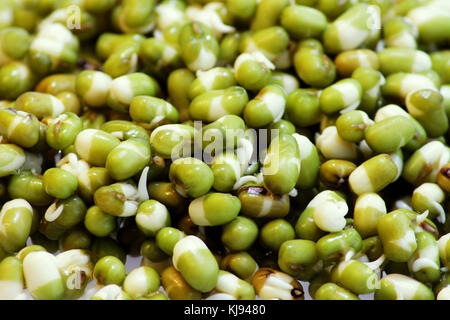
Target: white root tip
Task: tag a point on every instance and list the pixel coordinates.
(402, 204)
(181, 191)
(349, 255)
(260, 57)
(293, 193)
(157, 119)
(142, 185)
(441, 218)
(243, 180)
(421, 217)
(53, 213)
(374, 265)
(350, 107)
